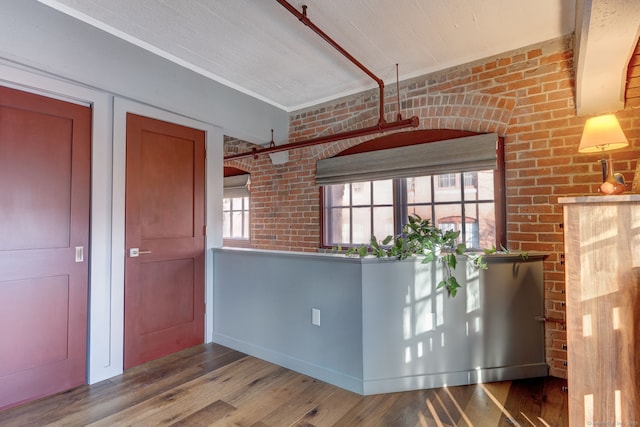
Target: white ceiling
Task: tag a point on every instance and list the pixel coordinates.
(261, 49)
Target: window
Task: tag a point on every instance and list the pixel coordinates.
(354, 212)
(450, 181)
(447, 180)
(359, 210)
(235, 214)
(235, 210)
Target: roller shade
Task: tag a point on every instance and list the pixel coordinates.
(237, 186)
(472, 153)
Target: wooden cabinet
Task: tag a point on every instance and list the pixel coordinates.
(602, 251)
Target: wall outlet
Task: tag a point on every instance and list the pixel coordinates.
(315, 316)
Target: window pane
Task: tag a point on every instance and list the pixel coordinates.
(337, 195)
(471, 233)
(419, 190)
(236, 204)
(447, 180)
(226, 204)
(383, 192)
(236, 224)
(470, 179)
(422, 211)
(245, 220)
(361, 193)
(383, 222)
(449, 217)
(361, 225)
(487, 225)
(445, 188)
(226, 224)
(339, 229)
(485, 185)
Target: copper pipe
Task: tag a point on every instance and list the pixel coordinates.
(306, 21)
(380, 127)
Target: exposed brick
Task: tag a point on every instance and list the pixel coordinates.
(526, 95)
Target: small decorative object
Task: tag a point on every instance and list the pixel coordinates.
(612, 184)
(603, 133)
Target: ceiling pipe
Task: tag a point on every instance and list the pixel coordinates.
(382, 125)
(306, 21)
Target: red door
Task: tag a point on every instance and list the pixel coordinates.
(164, 268)
(45, 166)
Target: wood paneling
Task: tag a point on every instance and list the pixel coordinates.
(214, 385)
(602, 241)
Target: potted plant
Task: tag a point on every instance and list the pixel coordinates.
(420, 237)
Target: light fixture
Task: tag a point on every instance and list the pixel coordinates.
(600, 134)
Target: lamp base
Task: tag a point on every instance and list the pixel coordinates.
(611, 185)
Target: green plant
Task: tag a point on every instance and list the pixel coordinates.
(420, 237)
(479, 260)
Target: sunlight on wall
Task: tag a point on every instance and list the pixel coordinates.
(440, 309)
(602, 240)
(406, 323)
(586, 326)
(588, 409)
(479, 375)
(473, 289)
(616, 318)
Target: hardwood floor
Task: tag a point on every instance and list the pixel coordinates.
(214, 385)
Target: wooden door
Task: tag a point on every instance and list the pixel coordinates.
(45, 166)
(164, 268)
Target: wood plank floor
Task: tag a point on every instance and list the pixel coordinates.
(214, 385)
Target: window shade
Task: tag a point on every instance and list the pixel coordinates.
(472, 153)
(236, 186)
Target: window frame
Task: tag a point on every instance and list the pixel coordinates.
(245, 211)
(499, 201)
(237, 185)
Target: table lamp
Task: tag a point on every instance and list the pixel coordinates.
(600, 134)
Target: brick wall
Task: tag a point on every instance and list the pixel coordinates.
(526, 95)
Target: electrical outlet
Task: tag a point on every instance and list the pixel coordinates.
(315, 316)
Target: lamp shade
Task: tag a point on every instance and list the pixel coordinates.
(602, 133)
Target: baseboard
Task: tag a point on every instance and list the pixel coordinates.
(443, 379)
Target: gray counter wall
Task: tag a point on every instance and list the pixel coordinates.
(263, 302)
(384, 326)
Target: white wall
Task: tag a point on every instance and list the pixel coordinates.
(47, 52)
(41, 37)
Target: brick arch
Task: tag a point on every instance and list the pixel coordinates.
(480, 113)
(235, 146)
(476, 112)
